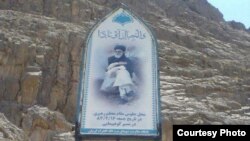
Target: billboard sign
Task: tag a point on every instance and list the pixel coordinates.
(119, 89)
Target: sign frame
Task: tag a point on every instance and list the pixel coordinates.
(83, 66)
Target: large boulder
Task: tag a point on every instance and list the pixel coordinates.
(42, 124)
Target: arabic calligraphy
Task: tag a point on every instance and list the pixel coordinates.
(122, 34)
(119, 119)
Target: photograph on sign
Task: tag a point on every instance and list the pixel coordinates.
(119, 90)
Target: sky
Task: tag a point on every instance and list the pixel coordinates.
(237, 10)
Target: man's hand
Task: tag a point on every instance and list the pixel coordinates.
(116, 64)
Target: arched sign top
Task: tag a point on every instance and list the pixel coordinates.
(122, 18)
(121, 75)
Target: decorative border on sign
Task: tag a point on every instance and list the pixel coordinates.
(93, 131)
(87, 77)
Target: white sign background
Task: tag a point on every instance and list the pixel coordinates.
(101, 116)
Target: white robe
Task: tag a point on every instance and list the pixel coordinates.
(117, 76)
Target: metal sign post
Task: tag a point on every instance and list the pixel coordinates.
(118, 93)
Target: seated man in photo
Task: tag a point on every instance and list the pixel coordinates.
(119, 74)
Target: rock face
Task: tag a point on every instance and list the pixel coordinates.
(237, 25)
(37, 124)
(9, 131)
(42, 124)
(204, 63)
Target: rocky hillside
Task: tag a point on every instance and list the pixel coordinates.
(204, 64)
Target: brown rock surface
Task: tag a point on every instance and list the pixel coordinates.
(42, 124)
(204, 62)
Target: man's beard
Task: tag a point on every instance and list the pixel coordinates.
(118, 56)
